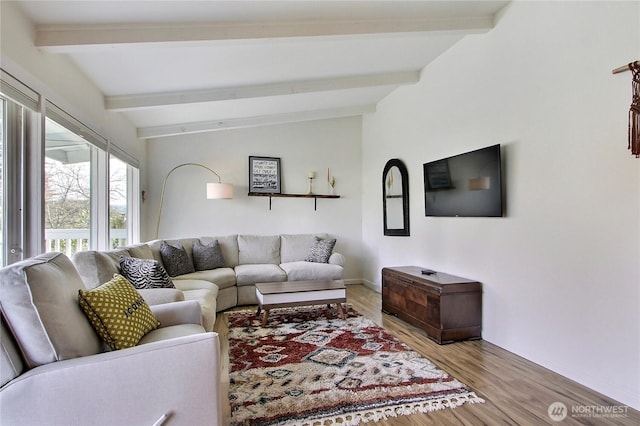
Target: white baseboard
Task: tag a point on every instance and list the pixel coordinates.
(366, 283)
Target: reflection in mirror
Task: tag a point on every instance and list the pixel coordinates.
(395, 198)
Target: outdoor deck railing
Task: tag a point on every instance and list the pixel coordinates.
(69, 241)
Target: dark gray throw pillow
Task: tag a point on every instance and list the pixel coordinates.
(320, 250)
(207, 257)
(176, 260)
(145, 273)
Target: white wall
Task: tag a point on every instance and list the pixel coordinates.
(561, 271)
(312, 146)
(60, 81)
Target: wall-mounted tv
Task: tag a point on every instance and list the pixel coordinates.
(468, 184)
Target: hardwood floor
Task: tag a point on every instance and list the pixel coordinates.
(516, 391)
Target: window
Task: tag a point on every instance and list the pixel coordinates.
(118, 211)
(67, 190)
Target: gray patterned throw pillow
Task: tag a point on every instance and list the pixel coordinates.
(145, 273)
(207, 257)
(176, 260)
(320, 250)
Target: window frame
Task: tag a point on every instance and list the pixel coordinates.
(24, 225)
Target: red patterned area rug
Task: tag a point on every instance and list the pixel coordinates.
(309, 367)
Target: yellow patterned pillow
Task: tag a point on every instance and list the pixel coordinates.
(117, 312)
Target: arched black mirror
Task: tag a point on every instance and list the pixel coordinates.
(395, 198)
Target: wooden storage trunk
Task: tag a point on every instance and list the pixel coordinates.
(447, 307)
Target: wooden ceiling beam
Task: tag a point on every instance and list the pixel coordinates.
(72, 38)
(263, 120)
(153, 100)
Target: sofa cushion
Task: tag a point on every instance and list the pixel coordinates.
(185, 285)
(145, 273)
(208, 256)
(158, 296)
(294, 247)
(258, 249)
(320, 250)
(141, 251)
(38, 299)
(206, 294)
(337, 259)
(175, 259)
(264, 273)
(229, 247)
(117, 312)
(307, 271)
(171, 332)
(98, 267)
(221, 277)
(11, 365)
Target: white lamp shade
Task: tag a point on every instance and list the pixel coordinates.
(219, 190)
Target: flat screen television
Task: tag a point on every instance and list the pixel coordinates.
(468, 184)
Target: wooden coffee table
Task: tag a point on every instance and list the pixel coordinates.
(299, 293)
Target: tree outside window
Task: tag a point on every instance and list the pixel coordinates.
(117, 202)
(67, 190)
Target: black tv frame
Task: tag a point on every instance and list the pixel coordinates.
(444, 175)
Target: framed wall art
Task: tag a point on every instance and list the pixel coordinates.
(264, 175)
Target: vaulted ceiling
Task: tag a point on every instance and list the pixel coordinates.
(175, 67)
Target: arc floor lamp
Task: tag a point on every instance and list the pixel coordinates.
(215, 190)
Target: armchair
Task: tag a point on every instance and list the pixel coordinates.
(55, 371)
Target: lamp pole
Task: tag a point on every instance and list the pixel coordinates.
(164, 184)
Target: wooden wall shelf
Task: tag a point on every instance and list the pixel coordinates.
(314, 196)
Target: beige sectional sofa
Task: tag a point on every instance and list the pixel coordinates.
(56, 371)
(248, 259)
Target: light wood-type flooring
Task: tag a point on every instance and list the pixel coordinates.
(516, 391)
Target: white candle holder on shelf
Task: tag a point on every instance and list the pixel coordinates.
(311, 176)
